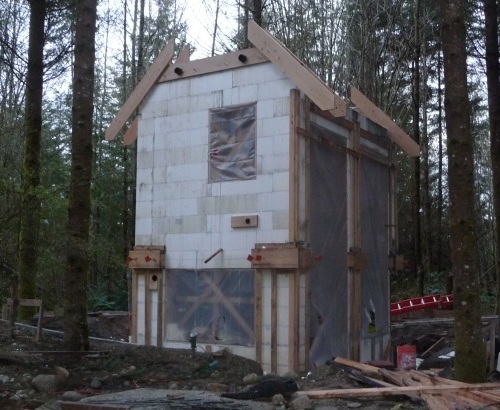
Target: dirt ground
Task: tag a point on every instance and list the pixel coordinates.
(115, 367)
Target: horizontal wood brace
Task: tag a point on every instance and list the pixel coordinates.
(281, 256)
(356, 259)
(151, 257)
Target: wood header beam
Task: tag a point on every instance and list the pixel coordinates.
(150, 78)
(301, 75)
(396, 134)
(214, 64)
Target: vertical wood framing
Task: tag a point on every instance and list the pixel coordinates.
(133, 315)
(354, 242)
(147, 312)
(159, 324)
(258, 315)
(307, 320)
(274, 321)
(293, 321)
(293, 224)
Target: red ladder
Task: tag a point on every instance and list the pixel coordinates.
(420, 303)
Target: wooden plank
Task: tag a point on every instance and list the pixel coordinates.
(303, 77)
(282, 256)
(366, 369)
(159, 323)
(130, 135)
(396, 390)
(26, 302)
(293, 214)
(397, 135)
(293, 319)
(184, 56)
(354, 243)
(146, 259)
(65, 405)
(148, 81)
(214, 64)
(245, 221)
(147, 312)
(274, 322)
(258, 315)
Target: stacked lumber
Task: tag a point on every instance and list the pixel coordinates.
(437, 392)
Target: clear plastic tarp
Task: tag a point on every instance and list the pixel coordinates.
(216, 304)
(232, 143)
(329, 279)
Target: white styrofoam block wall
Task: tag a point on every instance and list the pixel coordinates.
(173, 168)
(141, 309)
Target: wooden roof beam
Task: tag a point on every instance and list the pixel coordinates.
(396, 134)
(148, 81)
(301, 75)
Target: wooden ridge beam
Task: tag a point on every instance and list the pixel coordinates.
(396, 134)
(148, 81)
(301, 75)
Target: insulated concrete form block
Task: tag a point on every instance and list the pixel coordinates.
(174, 89)
(282, 143)
(274, 163)
(182, 207)
(281, 106)
(143, 226)
(146, 144)
(146, 127)
(145, 176)
(263, 183)
(144, 240)
(145, 159)
(211, 82)
(160, 174)
(256, 74)
(265, 145)
(187, 172)
(159, 159)
(272, 201)
(275, 126)
(228, 204)
(280, 220)
(281, 181)
(265, 109)
(185, 224)
(159, 226)
(239, 240)
(242, 95)
(274, 236)
(143, 210)
(274, 89)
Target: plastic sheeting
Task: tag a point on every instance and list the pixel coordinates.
(232, 143)
(217, 304)
(329, 279)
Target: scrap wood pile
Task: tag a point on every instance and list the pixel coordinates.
(437, 392)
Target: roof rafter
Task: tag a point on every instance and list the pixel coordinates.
(301, 75)
(149, 80)
(396, 134)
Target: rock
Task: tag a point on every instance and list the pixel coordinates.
(72, 396)
(278, 400)
(353, 405)
(126, 383)
(290, 375)
(51, 405)
(173, 385)
(301, 403)
(217, 387)
(95, 383)
(4, 379)
(251, 378)
(22, 394)
(46, 383)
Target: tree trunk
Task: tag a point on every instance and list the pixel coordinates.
(469, 348)
(78, 252)
(417, 247)
(30, 207)
(493, 80)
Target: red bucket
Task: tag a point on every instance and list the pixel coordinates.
(407, 357)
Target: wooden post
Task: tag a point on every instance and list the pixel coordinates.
(354, 244)
(13, 309)
(274, 321)
(293, 224)
(258, 315)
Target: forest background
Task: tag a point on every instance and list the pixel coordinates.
(390, 49)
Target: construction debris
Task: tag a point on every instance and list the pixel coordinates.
(438, 393)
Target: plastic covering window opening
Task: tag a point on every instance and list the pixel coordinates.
(232, 142)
